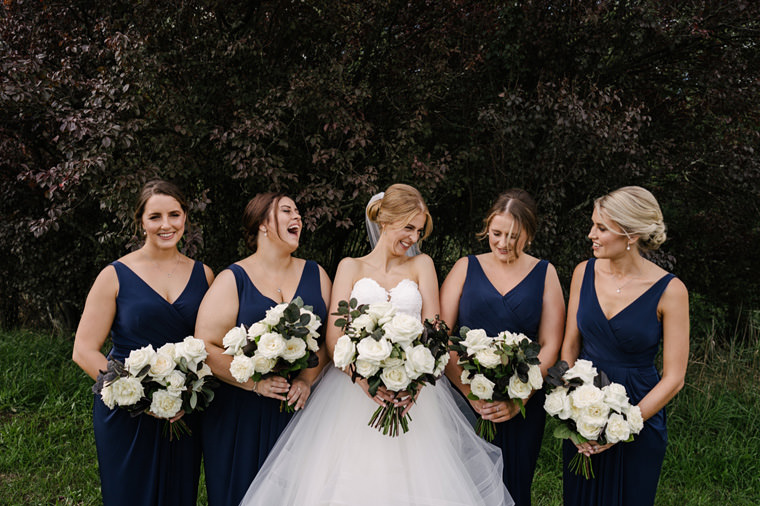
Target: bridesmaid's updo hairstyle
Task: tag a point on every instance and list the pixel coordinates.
(521, 207)
(400, 202)
(636, 211)
(157, 187)
(256, 212)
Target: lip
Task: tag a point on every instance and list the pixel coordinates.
(166, 236)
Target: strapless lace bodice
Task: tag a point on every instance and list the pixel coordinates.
(405, 296)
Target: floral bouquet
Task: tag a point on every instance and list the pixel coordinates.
(497, 369)
(591, 408)
(162, 382)
(283, 343)
(392, 349)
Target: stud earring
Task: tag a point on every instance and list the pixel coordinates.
(145, 232)
(628, 247)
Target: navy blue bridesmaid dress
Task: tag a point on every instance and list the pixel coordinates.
(239, 427)
(624, 347)
(138, 463)
(519, 310)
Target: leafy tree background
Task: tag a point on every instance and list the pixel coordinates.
(331, 101)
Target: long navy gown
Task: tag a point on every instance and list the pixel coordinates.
(519, 310)
(239, 427)
(138, 463)
(624, 347)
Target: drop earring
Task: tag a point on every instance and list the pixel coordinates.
(628, 247)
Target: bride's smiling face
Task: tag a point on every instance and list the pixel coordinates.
(401, 236)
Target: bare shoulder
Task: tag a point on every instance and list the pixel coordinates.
(422, 261)
(209, 274)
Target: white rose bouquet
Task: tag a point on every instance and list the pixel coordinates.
(162, 382)
(391, 349)
(497, 369)
(590, 408)
(283, 343)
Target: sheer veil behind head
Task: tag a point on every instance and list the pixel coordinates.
(373, 229)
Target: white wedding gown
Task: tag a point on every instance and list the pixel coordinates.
(328, 455)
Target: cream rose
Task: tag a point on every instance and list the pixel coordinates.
(366, 368)
(138, 359)
(596, 414)
(311, 343)
(256, 330)
(403, 329)
(106, 395)
(557, 403)
(204, 371)
(167, 349)
(262, 364)
(583, 369)
(588, 430)
(635, 420)
(488, 358)
(314, 322)
(127, 391)
(586, 395)
(535, 378)
(381, 312)
(295, 348)
(615, 396)
(440, 366)
(420, 360)
(161, 365)
(617, 429)
(273, 315)
(369, 349)
(271, 345)
(363, 322)
(192, 350)
(482, 387)
(234, 340)
(476, 340)
(510, 338)
(465, 377)
(518, 389)
(392, 362)
(165, 405)
(395, 378)
(344, 352)
(241, 368)
(175, 382)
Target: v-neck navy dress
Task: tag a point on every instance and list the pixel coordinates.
(138, 464)
(624, 347)
(519, 310)
(239, 427)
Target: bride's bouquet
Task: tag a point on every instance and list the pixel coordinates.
(590, 408)
(283, 343)
(391, 349)
(497, 369)
(162, 382)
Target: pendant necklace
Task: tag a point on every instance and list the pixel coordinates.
(168, 274)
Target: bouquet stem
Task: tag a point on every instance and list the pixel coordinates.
(388, 418)
(581, 464)
(176, 429)
(485, 429)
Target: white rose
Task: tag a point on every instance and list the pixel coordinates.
(617, 429)
(510, 338)
(586, 395)
(311, 343)
(192, 350)
(482, 387)
(395, 378)
(366, 368)
(518, 389)
(363, 322)
(138, 359)
(204, 371)
(127, 391)
(271, 345)
(488, 358)
(369, 349)
(262, 364)
(391, 362)
(295, 348)
(557, 403)
(241, 368)
(167, 349)
(588, 430)
(583, 369)
(443, 360)
(106, 395)
(175, 382)
(381, 312)
(635, 420)
(165, 405)
(615, 396)
(465, 377)
(314, 321)
(535, 378)
(595, 414)
(274, 314)
(256, 330)
(161, 365)
(403, 329)
(344, 352)
(420, 360)
(476, 340)
(234, 340)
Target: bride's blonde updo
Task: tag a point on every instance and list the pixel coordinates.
(400, 202)
(636, 211)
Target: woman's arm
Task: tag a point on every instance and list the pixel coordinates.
(451, 293)
(428, 285)
(341, 290)
(571, 344)
(552, 325)
(95, 324)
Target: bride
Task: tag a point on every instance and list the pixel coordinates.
(328, 455)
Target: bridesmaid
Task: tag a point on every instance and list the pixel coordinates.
(150, 296)
(243, 423)
(507, 289)
(621, 307)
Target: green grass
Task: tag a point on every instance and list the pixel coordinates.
(47, 452)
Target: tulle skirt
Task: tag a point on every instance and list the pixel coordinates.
(328, 455)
